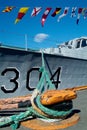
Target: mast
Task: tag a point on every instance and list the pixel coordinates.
(26, 42)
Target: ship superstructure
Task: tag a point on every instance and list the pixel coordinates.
(76, 48)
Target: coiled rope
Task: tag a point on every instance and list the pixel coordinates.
(37, 109)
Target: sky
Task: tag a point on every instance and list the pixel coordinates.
(28, 32)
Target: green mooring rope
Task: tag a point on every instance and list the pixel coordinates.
(52, 113)
(14, 120)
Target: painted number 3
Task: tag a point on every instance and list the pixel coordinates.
(13, 80)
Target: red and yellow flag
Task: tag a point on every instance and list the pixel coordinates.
(21, 13)
(8, 9)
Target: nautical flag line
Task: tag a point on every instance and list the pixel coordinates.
(36, 10)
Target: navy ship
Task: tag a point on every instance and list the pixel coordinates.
(19, 69)
(66, 66)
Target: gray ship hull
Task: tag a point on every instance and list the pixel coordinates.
(19, 71)
(19, 75)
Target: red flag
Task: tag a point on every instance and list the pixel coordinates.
(44, 16)
(36, 11)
